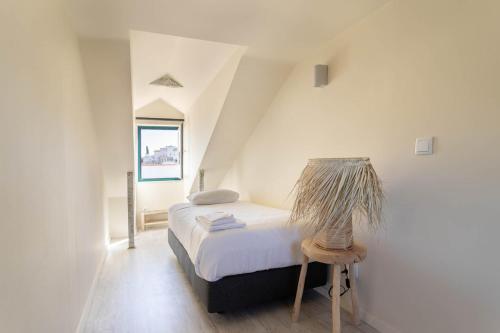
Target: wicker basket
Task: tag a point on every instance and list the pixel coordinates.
(335, 238)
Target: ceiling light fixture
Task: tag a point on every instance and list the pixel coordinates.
(167, 81)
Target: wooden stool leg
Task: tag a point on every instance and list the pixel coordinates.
(336, 299)
(354, 296)
(300, 289)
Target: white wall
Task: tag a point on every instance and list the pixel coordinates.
(52, 229)
(255, 83)
(202, 118)
(159, 195)
(413, 68)
(159, 109)
(107, 70)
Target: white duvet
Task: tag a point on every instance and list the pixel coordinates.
(266, 242)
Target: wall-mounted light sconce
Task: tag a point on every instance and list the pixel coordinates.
(320, 75)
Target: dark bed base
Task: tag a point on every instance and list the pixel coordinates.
(238, 291)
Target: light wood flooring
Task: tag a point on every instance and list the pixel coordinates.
(144, 290)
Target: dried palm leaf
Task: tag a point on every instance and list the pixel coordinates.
(330, 189)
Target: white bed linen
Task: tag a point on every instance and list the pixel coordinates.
(266, 242)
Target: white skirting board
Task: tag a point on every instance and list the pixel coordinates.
(88, 301)
(368, 318)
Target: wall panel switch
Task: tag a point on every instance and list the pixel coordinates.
(423, 146)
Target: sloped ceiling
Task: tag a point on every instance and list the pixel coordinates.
(203, 118)
(276, 33)
(277, 29)
(254, 86)
(194, 63)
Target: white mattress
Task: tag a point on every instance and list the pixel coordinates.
(266, 242)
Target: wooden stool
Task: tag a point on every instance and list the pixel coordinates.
(337, 258)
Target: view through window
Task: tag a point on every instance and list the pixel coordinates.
(160, 153)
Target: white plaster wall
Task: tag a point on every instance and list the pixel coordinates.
(412, 69)
(202, 118)
(52, 230)
(159, 195)
(158, 109)
(255, 83)
(107, 71)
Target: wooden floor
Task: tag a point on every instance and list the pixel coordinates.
(144, 290)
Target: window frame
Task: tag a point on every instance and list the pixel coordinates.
(170, 127)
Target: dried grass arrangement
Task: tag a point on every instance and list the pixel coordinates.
(329, 190)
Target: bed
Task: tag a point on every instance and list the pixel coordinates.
(235, 268)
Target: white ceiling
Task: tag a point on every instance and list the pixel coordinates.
(280, 29)
(194, 63)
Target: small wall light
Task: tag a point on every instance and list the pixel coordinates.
(320, 75)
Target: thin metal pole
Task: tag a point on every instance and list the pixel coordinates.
(202, 180)
(131, 210)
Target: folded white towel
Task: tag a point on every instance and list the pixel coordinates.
(232, 225)
(217, 218)
(226, 220)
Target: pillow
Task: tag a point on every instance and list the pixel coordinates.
(213, 197)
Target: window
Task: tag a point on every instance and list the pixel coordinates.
(160, 152)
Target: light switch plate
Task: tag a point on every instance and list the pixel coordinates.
(423, 146)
